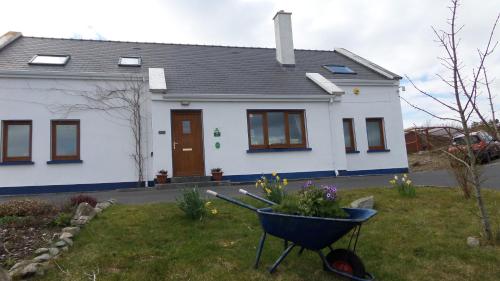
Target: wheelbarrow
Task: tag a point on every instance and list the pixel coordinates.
(312, 233)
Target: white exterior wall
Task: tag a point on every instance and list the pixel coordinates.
(323, 127)
(372, 102)
(105, 141)
(232, 157)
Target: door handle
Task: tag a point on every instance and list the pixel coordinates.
(175, 143)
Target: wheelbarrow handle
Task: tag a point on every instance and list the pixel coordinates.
(231, 200)
(242, 191)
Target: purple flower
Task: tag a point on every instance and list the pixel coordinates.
(330, 192)
(307, 184)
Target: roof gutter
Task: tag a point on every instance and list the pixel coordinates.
(71, 75)
(8, 38)
(377, 68)
(240, 97)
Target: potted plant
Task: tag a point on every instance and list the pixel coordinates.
(162, 176)
(217, 174)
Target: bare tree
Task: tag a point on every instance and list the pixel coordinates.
(125, 101)
(464, 105)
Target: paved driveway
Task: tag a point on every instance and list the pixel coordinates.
(437, 178)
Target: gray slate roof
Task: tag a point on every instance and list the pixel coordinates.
(189, 69)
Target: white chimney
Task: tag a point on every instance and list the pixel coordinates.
(284, 38)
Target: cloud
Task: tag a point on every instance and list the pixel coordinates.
(395, 34)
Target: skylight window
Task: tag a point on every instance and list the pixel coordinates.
(129, 61)
(49, 59)
(339, 69)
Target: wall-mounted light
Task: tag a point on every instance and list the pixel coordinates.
(185, 103)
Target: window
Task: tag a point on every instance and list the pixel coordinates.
(16, 137)
(65, 139)
(339, 69)
(50, 59)
(129, 61)
(349, 140)
(375, 133)
(186, 127)
(276, 129)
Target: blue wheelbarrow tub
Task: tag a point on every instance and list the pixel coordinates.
(313, 233)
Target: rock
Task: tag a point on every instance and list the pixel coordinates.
(71, 229)
(103, 205)
(365, 203)
(472, 241)
(24, 271)
(83, 214)
(4, 275)
(112, 201)
(42, 257)
(20, 264)
(68, 241)
(60, 244)
(54, 251)
(66, 235)
(65, 248)
(98, 210)
(41, 251)
(82, 220)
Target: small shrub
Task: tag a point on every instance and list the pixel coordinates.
(273, 188)
(15, 221)
(404, 186)
(76, 200)
(313, 201)
(9, 220)
(25, 207)
(193, 205)
(62, 220)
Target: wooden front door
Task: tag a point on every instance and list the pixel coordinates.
(187, 144)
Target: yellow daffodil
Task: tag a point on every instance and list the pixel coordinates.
(274, 174)
(405, 176)
(408, 182)
(396, 178)
(277, 178)
(208, 204)
(392, 181)
(214, 211)
(268, 190)
(285, 182)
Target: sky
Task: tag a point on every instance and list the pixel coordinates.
(392, 33)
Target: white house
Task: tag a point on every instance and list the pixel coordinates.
(249, 111)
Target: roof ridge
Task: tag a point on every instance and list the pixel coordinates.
(164, 43)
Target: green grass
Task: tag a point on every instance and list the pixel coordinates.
(421, 238)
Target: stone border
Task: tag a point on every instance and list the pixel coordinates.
(36, 266)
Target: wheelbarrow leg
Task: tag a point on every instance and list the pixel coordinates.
(259, 250)
(301, 250)
(281, 258)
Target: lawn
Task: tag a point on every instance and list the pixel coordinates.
(422, 238)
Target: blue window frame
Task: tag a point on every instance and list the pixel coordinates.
(339, 69)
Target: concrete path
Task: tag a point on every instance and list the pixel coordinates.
(142, 196)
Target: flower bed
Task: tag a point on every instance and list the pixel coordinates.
(32, 232)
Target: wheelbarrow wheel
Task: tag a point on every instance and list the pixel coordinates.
(346, 261)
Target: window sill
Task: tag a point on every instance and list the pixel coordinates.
(377, 150)
(261, 150)
(16, 163)
(52, 162)
(352, 151)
